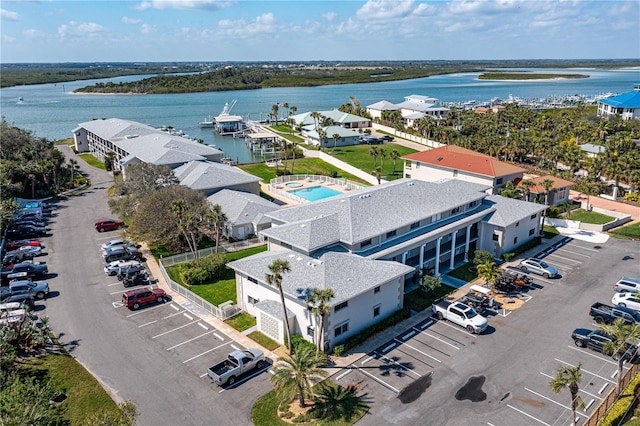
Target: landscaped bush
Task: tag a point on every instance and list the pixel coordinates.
(622, 405)
(193, 275)
(368, 332)
(211, 268)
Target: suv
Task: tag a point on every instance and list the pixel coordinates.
(133, 299)
(626, 284)
(597, 340)
(113, 268)
(122, 253)
(130, 270)
(108, 225)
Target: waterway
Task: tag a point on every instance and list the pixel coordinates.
(53, 111)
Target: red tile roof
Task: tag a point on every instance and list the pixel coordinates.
(459, 158)
(539, 189)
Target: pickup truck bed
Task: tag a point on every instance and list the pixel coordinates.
(603, 313)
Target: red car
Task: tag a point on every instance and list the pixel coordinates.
(14, 245)
(108, 225)
(133, 299)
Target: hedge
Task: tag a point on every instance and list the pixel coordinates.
(622, 404)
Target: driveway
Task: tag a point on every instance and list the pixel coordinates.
(156, 357)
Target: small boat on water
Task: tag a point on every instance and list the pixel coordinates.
(20, 99)
(208, 122)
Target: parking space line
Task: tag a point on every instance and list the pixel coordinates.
(118, 292)
(418, 350)
(203, 326)
(235, 347)
(148, 323)
(581, 390)
(582, 351)
(190, 340)
(441, 340)
(111, 285)
(174, 307)
(574, 252)
(367, 360)
(145, 310)
(382, 382)
(172, 315)
(586, 371)
(204, 353)
(190, 318)
(388, 348)
(400, 365)
(218, 336)
(554, 401)
(577, 262)
(239, 382)
(173, 329)
(527, 414)
(603, 388)
(343, 374)
(455, 327)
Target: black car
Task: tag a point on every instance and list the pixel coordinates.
(129, 271)
(24, 299)
(371, 141)
(139, 278)
(386, 138)
(21, 231)
(122, 253)
(597, 341)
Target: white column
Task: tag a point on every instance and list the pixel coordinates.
(466, 243)
(422, 247)
(453, 249)
(404, 258)
(437, 268)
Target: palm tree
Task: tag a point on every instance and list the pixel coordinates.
(186, 223)
(377, 172)
(568, 377)
(276, 269)
(318, 299)
(373, 152)
(527, 185)
(490, 272)
(297, 374)
(336, 138)
(547, 184)
(72, 166)
(394, 156)
(217, 220)
(382, 154)
(620, 333)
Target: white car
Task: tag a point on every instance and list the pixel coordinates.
(11, 312)
(626, 284)
(112, 268)
(539, 267)
(630, 300)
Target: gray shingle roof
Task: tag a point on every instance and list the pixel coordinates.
(242, 207)
(204, 175)
(347, 274)
(273, 308)
(372, 211)
(510, 210)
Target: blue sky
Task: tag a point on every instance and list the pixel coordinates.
(241, 30)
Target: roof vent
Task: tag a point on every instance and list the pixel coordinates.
(292, 255)
(440, 158)
(302, 225)
(411, 183)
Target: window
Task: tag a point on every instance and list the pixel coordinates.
(456, 210)
(252, 300)
(365, 243)
(455, 173)
(285, 245)
(341, 306)
(515, 240)
(532, 231)
(499, 181)
(391, 234)
(414, 225)
(517, 224)
(533, 216)
(494, 237)
(376, 311)
(341, 329)
(407, 175)
(309, 331)
(376, 290)
(253, 280)
(417, 165)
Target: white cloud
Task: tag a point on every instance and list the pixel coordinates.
(330, 16)
(83, 29)
(8, 39)
(263, 24)
(185, 4)
(132, 21)
(32, 33)
(7, 15)
(147, 29)
(385, 9)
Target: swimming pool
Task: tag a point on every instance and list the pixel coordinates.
(315, 193)
(293, 184)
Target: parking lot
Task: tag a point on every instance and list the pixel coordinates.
(428, 357)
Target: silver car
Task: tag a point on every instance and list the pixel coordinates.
(539, 267)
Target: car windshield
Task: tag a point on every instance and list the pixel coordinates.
(471, 313)
(543, 265)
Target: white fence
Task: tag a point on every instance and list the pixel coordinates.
(188, 257)
(277, 185)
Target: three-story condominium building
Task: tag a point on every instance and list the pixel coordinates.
(400, 227)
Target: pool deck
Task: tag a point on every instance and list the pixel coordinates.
(288, 202)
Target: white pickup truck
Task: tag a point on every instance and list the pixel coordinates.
(461, 314)
(236, 364)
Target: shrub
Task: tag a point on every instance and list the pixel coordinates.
(509, 256)
(338, 350)
(374, 329)
(194, 275)
(632, 197)
(214, 264)
(482, 256)
(334, 174)
(622, 405)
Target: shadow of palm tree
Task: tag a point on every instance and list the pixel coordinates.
(340, 403)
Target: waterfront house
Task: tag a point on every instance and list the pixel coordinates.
(558, 192)
(625, 106)
(414, 107)
(133, 143)
(452, 161)
(245, 213)
(337, 117)
(418, 225)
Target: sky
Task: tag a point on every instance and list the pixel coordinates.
(306, 30)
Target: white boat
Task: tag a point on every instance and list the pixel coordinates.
(208, 122)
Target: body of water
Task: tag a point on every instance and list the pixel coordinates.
(53, 111)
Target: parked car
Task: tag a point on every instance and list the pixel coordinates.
(539, 267)
(32, 222)
(129, 270)
(20, 255)
(23, 299)
(461, 314)
(13, 245)
(627, 299)
(236, 364)
(122, 253)
(602, 313)
(371, 140)
(387, 138)
(34, 250)
(597, 341)
(108, 225)
(626, 284)
(21, 231)
(135, 279)
(114, 243)
(11, 316)
(134, 299)
(36, 289)
(113, 268)
(25, 269)
(117, 248)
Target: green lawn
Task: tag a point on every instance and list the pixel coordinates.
(359, 156)
(302, 166)
(263, 340)
(417, 300)
(463, 273)
(627, 232)
(92, 161)
(590, 217)
(85, 396)
(242, 322)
